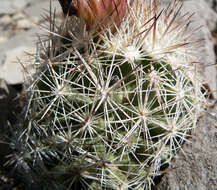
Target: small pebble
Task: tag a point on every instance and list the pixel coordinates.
(18, 16)
(6, 19)
(24, 24)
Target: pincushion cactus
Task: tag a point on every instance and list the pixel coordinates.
(110, 105)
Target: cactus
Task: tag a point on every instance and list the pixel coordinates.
(111, 103)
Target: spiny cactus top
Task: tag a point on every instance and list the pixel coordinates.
(112, 103)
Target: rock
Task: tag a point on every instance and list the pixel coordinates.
(17, 47)
(24, 24)
(212, 4)
(12, 6)
(42, 8)
(3, 39)
(18, 16)
(204, 11)
(205, 52)
(5, 20)
(12, 71)
(12, 48)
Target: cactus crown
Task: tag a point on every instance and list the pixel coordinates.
(109, 108)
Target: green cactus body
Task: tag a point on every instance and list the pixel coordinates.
(112, 114)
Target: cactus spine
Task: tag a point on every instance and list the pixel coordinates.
(111, 105)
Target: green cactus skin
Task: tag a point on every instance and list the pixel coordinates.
(109, 112)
